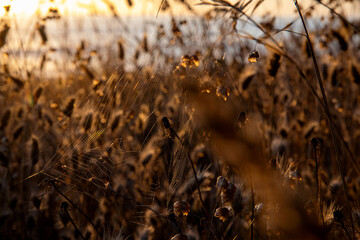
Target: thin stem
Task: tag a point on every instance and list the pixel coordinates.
(75, 206)
(326, 105)
(73, 223)
(195, 175)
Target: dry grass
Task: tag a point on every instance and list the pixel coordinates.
(185, 139)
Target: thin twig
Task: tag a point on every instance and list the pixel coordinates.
(162, 2)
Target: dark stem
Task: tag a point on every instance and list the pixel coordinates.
(75, 206)
(73, 223)
(326, 105)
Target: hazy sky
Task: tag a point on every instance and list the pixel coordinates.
(28, 7)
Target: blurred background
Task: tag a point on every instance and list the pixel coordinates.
(105, 102)
(143, 7)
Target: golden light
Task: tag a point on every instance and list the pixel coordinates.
(30, 7)
(18, 6)
(141, 7)
(77, 7)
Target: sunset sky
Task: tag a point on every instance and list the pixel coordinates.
(140, 7)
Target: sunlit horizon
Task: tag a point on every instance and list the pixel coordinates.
(143, 7)
(76, 7)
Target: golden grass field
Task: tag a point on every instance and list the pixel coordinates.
(197, 129)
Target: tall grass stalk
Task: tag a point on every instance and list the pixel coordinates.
(340, 162)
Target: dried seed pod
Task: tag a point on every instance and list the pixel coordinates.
(253, 56)
(223, 213)
(42, 31)
(186, 61)
(37, 94)
(342, 41)
(181, 207)
(274, 65)
(121, 49)
(222, 183)
(242, 119)
(69, 107)
(295, 175)
(195, 60)
(3, 34)
(228, 194)
(7, 8)
(5, 119)
(316, 143)
(115, 122)
(18, 132)
(130, 3)
(223, 92)
(355, 74)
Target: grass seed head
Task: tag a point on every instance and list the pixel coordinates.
(181, 208)
(5, 119)
(222, 183)
(274, 65)
(7, 8)
(222, 213)
(355, 74)
(227, 194)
